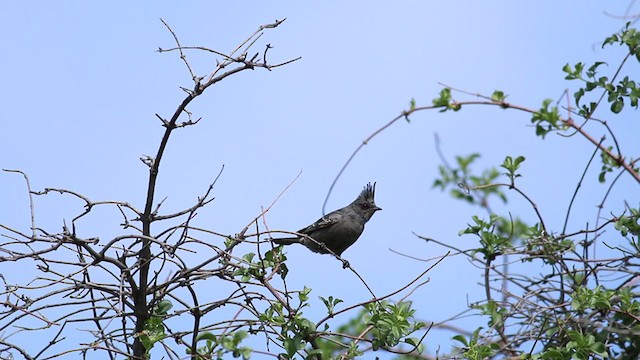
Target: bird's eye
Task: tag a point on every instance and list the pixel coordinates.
(365, 206)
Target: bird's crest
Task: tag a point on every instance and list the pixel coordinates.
(369, 191)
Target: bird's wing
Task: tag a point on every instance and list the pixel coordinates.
(322, 223)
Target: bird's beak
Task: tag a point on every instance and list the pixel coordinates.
(375, 208)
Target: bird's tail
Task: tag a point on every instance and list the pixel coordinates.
(286, 241)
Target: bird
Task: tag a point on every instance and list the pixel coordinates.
(337, 231)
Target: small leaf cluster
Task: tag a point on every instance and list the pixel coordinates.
(295, 330)
(272, 260)
(608, 165)
(616, 92)
(461, 178)
(391, 323)
(628, 224)
(330, 303)
(494, 311)
(338, 342)
(512, 165)
(598, 298)
(483, 186)
(548, 248)
(498, 96)
(623, 300)
(629, 37)
(216, 347)
(492, 243)
(583, 341)
(580, 347)
(154, 328)
(475, 347)
(547, 119)
(445, 101)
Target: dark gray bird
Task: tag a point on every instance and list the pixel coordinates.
(339, 229)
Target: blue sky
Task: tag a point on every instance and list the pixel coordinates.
(80, 84)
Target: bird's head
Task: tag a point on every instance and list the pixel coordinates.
(365, 203)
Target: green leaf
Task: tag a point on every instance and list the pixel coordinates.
(610, 40)
(617, 105)
(593, 69)
(461, 339)
(303, 295)
(498, 96)
(512, 166)
(443, 99)
(163, 307)
(206, 336)
(248, 257)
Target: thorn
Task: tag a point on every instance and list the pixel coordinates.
(147, 160)
(164, 122)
